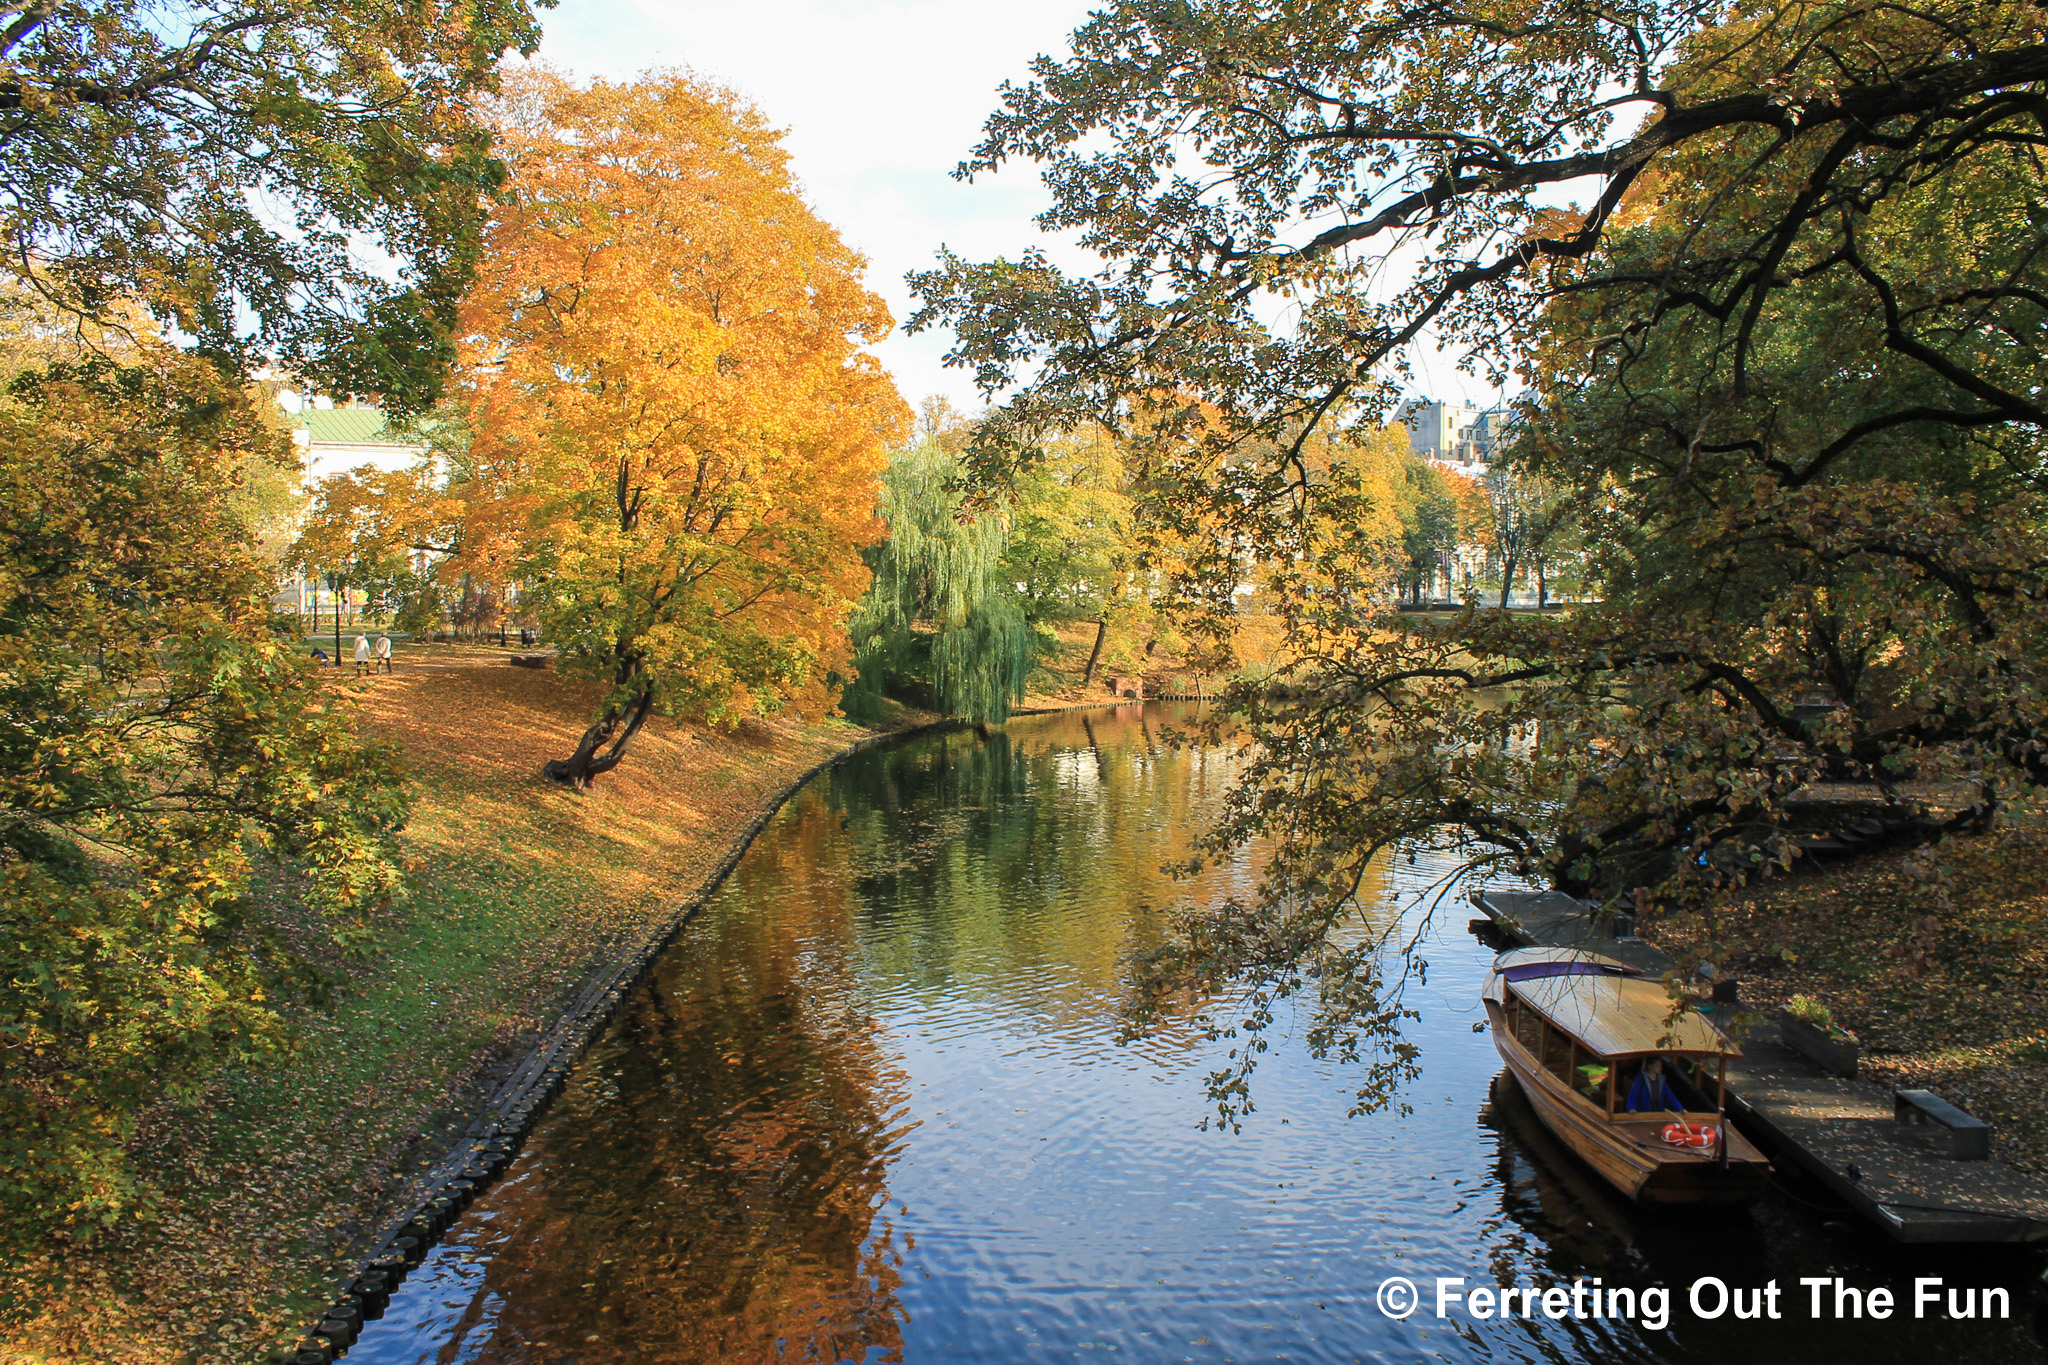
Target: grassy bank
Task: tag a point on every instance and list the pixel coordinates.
(518, 891)
(1936, 959)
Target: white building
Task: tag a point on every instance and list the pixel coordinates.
(331, 441)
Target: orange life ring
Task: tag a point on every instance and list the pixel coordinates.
(1686, 1135)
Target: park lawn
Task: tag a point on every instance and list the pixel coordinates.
(518, 892)
(1952, 998)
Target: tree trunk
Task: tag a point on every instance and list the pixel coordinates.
(1095, 654)
(604, 744)
(1542, 585)
(1507, 581)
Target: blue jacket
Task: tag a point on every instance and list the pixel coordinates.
(1642, 1099)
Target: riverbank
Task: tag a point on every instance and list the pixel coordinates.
(518, 892)
(1937, 960)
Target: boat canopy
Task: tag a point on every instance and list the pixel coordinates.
(1518, 964)
(1608, 1006)
(1529, 971)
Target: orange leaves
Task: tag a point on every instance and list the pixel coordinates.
(668, 408)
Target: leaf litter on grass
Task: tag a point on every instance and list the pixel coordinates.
(520, 890)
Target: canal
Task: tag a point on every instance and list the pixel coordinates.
(871, 1106)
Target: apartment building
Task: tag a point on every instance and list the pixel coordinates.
(1457, 435)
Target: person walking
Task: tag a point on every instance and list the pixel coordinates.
(383, 652)
(362, 654)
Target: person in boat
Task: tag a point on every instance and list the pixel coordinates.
(1651, 1093)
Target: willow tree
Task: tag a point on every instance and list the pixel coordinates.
(1776, 273)
(942, 606)
(672, 423)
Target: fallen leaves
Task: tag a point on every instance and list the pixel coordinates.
(521, 891)
(1949, 997)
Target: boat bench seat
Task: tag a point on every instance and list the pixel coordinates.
(1969, 1137)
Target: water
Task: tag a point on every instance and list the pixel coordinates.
(870, 1107)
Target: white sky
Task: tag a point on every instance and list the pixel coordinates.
(881, 99)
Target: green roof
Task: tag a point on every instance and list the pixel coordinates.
(347, 426)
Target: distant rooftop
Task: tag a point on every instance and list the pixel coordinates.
(347, 426)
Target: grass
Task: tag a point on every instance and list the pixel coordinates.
(518, 891)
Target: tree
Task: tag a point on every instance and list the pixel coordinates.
(1788, 361)
(1293, 121)
(941, 610)
(225, 166)
(1431, 507)
(163, 745)
(671, 427)
(1531, 525)
(1070, 551)
(225, 170)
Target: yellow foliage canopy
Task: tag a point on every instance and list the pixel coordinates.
(671, 417)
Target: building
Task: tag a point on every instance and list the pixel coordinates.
(1460, 438)
(1456, 435)
(332, 440)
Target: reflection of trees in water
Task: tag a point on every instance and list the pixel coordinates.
(712, 1187)
(1031, 863)
(714, 1184)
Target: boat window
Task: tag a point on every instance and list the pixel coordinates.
(1692, 1080)
(1679, 1077)
(1529, 1029)
(1557, 1052)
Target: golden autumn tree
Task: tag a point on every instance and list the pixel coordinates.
(668, 405)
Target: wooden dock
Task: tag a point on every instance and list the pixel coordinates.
(1843, 1132)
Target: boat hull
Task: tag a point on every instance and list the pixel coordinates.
(1628, 1154)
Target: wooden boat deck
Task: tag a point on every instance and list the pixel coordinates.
(1826, 1123)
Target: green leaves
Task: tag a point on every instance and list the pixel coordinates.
(224, 165)
(159, 747)
(941, 610)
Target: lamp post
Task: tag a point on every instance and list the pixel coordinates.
(336, 581)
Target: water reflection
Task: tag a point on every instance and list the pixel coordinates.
(871, 1108)
(716, 1174)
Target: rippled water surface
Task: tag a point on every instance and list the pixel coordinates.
(871, 1107)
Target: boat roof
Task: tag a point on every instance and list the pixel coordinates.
(1615, 1015)
(1519, 964)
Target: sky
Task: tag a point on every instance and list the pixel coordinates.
(881, 99)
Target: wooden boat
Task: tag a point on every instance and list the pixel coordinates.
(1576, 1029)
